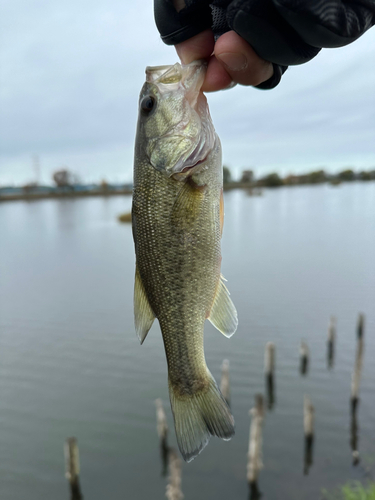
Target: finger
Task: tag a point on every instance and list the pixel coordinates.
(241, 62)
(217, 78)
(199, 46)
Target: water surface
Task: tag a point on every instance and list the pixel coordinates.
(70, 362)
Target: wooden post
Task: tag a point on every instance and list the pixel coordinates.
(162, 429)
(304, 356)
(225, 386)
(71, 453)
(254, 463)
(174, 491)
(354, 437)
(331, 341)
(356, 378)
(308, 425)
(269, 370)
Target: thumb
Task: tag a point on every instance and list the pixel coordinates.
(240, 61)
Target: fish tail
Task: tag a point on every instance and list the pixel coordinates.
(198, 416)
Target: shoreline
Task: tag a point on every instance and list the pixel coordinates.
(30, 196)
(65, 194)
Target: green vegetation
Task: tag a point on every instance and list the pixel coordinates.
(365, 176)
(315, 177)
(352, 491)
(227, 176)
(347, 175)
(271, 180)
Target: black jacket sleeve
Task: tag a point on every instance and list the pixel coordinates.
(284, 32)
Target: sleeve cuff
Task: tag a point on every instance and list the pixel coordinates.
(272, 82)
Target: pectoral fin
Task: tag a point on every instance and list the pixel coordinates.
(223, 314)
(143, 314)
(187, 206)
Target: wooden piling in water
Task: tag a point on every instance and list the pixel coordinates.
(356, 375)
(308, 417)
(269, 359)
(174, 491)
(225, 385)
(162, 429)
(304, 358)
(308, 426)
(331, 341)
(356, 378)
(72, 467)
(354, 437)
(255, 463)
(269, 370)
(161, 420)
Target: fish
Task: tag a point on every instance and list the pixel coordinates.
(177, 222)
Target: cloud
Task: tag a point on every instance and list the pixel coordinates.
(71, 75)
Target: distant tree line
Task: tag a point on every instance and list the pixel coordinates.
(315, 177)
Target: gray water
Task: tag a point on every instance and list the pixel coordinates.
(70, 363)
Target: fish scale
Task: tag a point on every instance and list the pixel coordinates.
(177, 232)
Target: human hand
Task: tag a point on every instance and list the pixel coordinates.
(284, 32)
(230, 60)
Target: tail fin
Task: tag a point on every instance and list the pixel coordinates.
(198, 416)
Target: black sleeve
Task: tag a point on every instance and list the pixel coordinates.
(290, 32)
(284, 32)
(175, 27)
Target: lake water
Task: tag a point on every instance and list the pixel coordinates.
(71, 365)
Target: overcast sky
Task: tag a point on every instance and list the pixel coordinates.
(71, 72)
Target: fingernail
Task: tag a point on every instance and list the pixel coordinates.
(233, 61)
(230, 86)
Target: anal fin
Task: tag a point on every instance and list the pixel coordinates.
(223, 314)
(143, 314)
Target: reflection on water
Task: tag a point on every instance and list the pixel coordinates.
(354, 431)
(308, 424)
(254, 492)
(304, 358)
(331, 342)
(269, 369)
(308, 454)
(330, 354)
(71, 363)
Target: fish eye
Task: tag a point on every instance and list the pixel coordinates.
(148, 104)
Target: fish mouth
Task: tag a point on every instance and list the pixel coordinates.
(190, 76)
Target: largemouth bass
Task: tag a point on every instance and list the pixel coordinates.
(177, 219)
